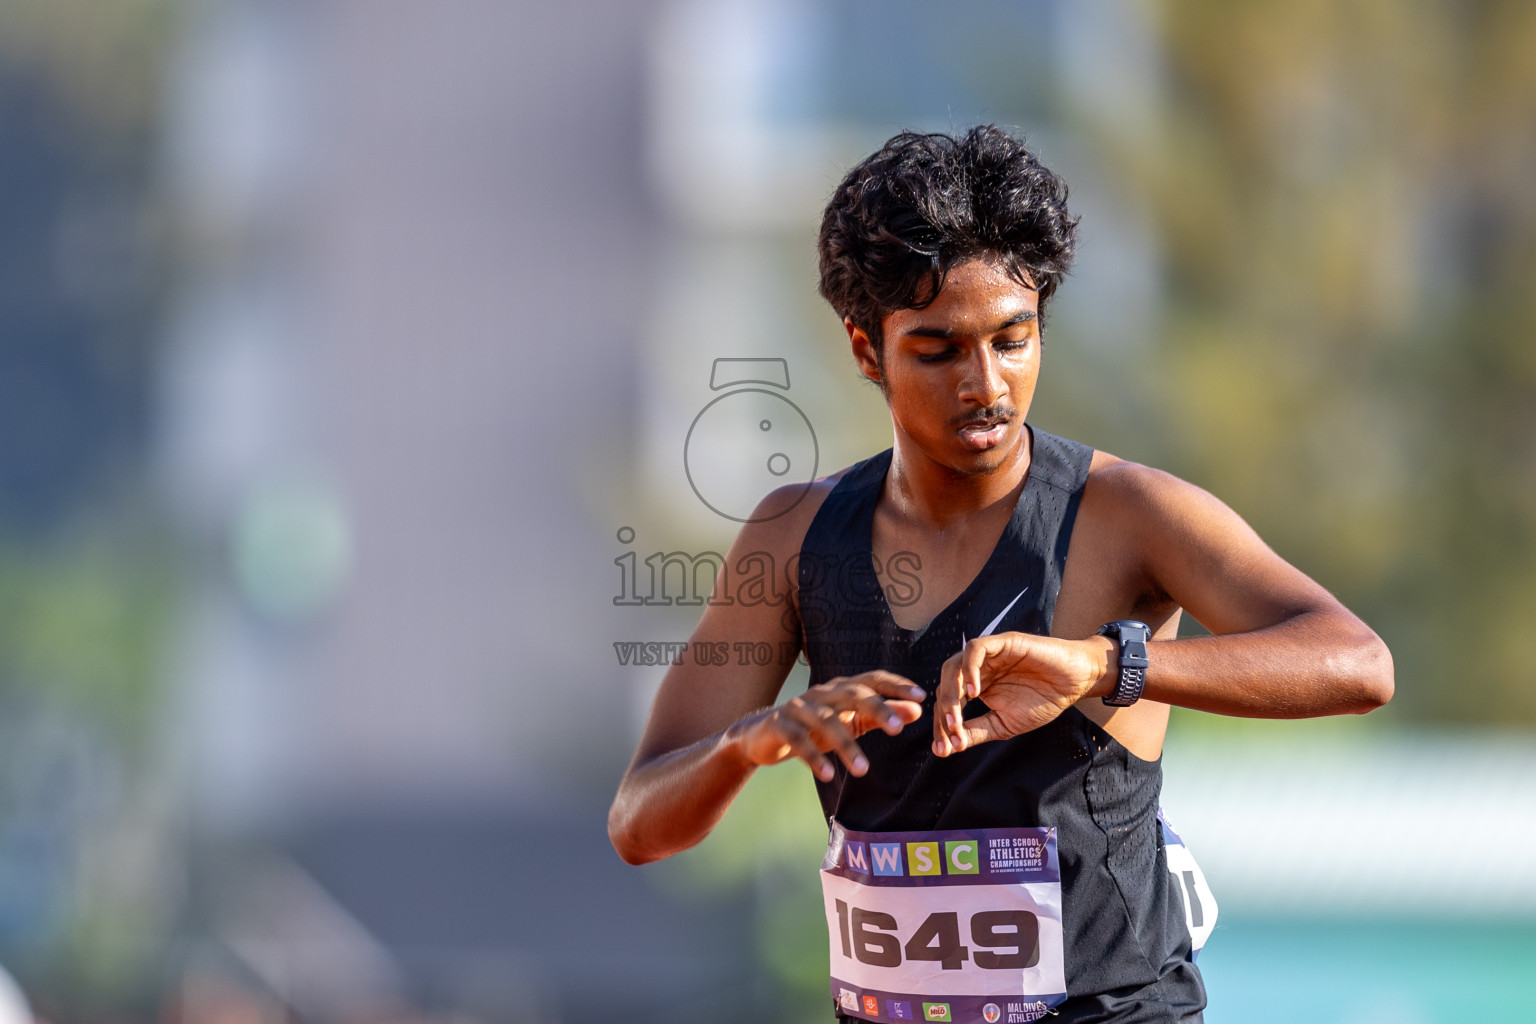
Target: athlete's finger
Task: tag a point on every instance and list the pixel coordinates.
(960, 681)
(903, 699)
(945, 703)
(982, 729)
(799, 740)
(899, 699)
(905, 711)
(877, 711)
(947, 692)
(889, 684)
(826, 729)
(891, 713)
(973, 658)
(972, 678)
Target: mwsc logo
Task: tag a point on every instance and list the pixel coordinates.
(959, 857)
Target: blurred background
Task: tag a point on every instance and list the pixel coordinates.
(349, 353)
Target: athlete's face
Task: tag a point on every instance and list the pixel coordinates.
(960, 373)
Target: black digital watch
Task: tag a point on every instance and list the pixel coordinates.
(1131, 637)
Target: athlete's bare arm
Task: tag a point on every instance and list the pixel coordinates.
(711, 726)
(1147, 545)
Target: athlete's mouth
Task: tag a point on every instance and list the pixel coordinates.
(984, 432)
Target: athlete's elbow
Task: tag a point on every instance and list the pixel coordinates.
(621, 834)
(629, 853)
(628, 836)
(1372, 677)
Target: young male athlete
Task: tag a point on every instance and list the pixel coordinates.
(986, 742)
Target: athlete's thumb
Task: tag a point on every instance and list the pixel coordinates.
(982, 729)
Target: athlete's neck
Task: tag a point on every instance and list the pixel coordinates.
(925, 490)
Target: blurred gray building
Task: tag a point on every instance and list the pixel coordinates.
(413, 292)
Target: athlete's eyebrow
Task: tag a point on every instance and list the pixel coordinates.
(1021, 317)
(945, 333)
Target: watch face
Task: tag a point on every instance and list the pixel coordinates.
(745, 444)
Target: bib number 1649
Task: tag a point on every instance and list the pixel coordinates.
(1007, 940)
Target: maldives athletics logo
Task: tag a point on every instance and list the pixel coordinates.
(992, 1013)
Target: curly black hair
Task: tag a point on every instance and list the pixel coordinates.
(901, 219)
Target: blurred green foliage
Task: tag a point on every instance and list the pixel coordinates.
(104, 61)
(84, 593)
(87, 569)
(81, 626)
(1341, 199)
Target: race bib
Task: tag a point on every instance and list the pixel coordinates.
(1199, 903)
(945, 926)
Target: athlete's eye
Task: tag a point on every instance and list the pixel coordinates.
(1012, 346)
(936, 357)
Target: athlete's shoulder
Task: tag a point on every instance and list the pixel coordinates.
(1142, 496)
(784, 516)
(1112, 473)
(1127, 480)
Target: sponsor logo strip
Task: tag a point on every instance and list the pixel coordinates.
(870, 1004)
(977, 857)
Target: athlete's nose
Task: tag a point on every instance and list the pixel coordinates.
(983, 384)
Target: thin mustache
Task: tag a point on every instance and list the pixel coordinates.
(1001, 412)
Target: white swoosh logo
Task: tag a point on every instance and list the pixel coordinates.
(994, 623)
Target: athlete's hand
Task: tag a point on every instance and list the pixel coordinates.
(829, 717)
(1025, 680)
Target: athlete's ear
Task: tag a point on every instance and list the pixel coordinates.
(864, 352)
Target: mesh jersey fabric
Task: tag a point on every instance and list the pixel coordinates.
(1126, 945)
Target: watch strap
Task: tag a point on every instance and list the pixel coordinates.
(1130, 637)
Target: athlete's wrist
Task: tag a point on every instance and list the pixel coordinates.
(1106, 666)
(736, 744)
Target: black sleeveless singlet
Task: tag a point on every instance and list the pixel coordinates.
(1126, 945)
